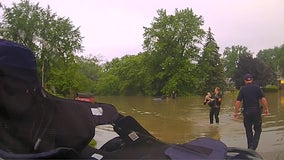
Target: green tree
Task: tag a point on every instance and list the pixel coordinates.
(247, 64)
(172, 44)
(53, 39)
(90, 71)
(230, 58)
(129, 71)
(210, 68)
(274, 58)
(107, 84)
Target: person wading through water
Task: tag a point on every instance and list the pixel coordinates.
(250, 94)
(217, 103)
(209, 100)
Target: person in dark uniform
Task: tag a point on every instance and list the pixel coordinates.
(209, 100)
(217, 106)
(250, 94)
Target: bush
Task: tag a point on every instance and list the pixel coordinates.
(270, 88)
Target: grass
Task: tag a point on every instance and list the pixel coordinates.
(270, 88)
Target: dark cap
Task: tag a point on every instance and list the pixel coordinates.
(248, 77)
(17, 61)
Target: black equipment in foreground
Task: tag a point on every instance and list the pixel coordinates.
(134, 142)
(37, 125)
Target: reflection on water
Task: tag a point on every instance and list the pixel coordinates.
(281, 95)
(186, 118)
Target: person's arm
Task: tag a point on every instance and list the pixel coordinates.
(237, 107)
(206, 99)
(265, 104)
(220, 98)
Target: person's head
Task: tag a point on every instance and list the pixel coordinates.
(208, 96)
(217, 90)
(248, 78)
(18, 77)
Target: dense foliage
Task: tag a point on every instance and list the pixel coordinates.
(238, 61)
(172, 47)
(210, 67)
(274, 58)
(178, 56)
(53, 39)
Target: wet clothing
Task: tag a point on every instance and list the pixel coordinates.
(250, 94)
(252, 120)
(209, 102)
(217, 102)
(215, 110)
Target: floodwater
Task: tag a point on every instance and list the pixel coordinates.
(186, 118)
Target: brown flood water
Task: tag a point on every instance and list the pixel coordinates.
(186, 118)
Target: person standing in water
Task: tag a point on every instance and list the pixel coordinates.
(217, 104)
(209, 100)
(250, 94)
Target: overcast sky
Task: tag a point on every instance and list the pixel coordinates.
(114, 28)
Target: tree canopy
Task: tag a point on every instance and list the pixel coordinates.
(247, 64)
(172, 45)
(210, 66)
(178, 56)
(53, 39)
(274, 58)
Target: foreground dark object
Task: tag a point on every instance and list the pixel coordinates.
(37, 125)
(134, 142)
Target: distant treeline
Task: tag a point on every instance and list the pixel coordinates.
(178, 56)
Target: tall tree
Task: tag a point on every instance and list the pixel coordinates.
(89, 73)
(247, 64)
(53, 39)
(210, 68)
(129, 71)
(273, 57)
(172, 44)
(230, 58)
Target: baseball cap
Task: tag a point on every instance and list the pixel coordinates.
(17, 61)
(248, 77)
